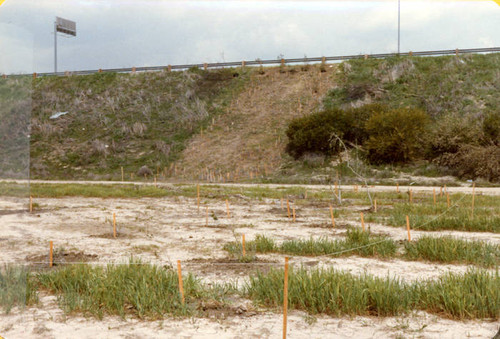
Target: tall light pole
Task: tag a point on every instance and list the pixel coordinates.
(399, 25)
(64, 26)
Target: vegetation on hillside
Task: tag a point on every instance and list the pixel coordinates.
(444, 110)
(129, 120)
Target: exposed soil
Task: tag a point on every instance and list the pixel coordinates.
(164, 230)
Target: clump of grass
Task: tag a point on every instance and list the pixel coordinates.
(144, 290)
(451, 250)
(434, 218)
(356, 242)
(261, 244)
(476, 294)
(16, 288)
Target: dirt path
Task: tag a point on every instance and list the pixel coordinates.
(377, 188)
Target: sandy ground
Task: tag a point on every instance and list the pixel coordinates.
(163, 230)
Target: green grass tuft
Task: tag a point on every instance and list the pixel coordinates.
(475, 294)
(451, 250)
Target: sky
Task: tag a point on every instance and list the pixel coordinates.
(126, 33)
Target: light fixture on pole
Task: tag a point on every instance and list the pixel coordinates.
(64, 26)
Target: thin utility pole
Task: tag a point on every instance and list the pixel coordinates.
(55, 46)
(399, 25)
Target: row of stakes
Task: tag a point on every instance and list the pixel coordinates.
(290, 213)
(285, 286)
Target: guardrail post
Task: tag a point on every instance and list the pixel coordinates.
(169, 68)
(205, 66)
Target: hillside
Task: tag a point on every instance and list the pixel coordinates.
(234, 120)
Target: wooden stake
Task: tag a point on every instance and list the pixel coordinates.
(288, 207)
(206, 217)
(441, 191)
(408, 227)
(362, 221)
(411, 196)
(123, 179)
(243, 245)
(198, 196)
(281, 203)
(331, 214)
(114, 225)
(293, 213)
(375, 205)
(227, 207)
(336, 188)
(473, 195)
(448, 199)
(51, 253)
(285, 298)
(31, 204)
(181, 285)
(305, 194)
(434, 195)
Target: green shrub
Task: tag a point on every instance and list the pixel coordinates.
(396, 136)
(491, 128)
(451, 132)
(313, 133)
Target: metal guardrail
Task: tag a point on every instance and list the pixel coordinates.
(271, 62)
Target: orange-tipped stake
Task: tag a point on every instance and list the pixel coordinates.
(408, 227)
(362, 221)
(331, 214)
(441, 191)
(181, 285)
(243, 245)
(375, 205)
(51, 253)
(336, 188)
(288, 207)
(198, 196)
(31, 204)
(114, 225)
(411, 196)
(293, 213)
(285, 298)
(473, 195)
(227, 208)
(448, 199)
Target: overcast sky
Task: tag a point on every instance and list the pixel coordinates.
(127, 33)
